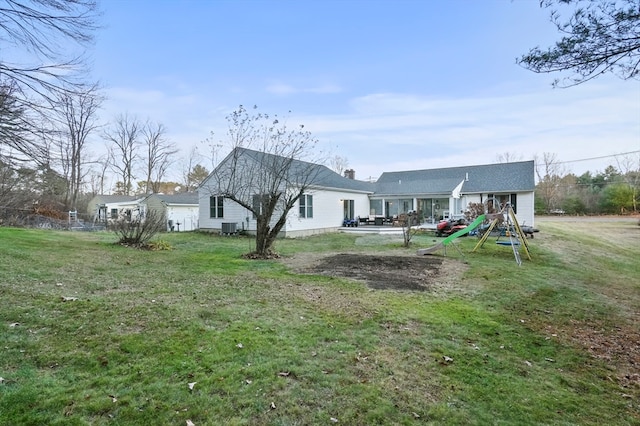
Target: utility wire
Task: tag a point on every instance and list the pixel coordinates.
(598, 158)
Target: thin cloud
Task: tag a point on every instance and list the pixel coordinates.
(282, 89)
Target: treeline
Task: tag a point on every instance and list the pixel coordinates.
(49, 124)
(612, 191)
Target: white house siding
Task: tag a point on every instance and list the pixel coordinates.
(186, 216)
(233, 213)
(525, 213)
(327, 212)
(123, 208)
(524, 200)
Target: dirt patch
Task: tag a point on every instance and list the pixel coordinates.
(385, 272)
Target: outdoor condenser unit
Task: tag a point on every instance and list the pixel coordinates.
(228, 228)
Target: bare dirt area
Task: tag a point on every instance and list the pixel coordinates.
(384, 272)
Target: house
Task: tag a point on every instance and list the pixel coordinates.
(180, 210)
(330, 198)
(111, 207)
(433, 194)
(446, 192)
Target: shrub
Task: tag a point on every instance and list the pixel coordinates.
(139, 231)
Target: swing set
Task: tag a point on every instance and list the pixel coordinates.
(512, 230)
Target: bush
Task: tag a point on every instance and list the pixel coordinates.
(139, 231)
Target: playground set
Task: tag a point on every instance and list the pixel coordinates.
(505, 219)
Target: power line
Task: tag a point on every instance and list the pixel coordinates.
(598, 158)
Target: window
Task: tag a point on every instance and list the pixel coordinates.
(348, 206)
(503, 199)
(306, 206)
(216, 207)
(114, 213)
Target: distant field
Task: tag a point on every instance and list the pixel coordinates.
(94, 334)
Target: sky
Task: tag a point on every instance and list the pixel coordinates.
(386, 85)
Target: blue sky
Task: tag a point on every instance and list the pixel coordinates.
(389, 85)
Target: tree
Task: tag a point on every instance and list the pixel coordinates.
(549, 172)
(267, 182)
(599, 37)
(618, 198)
(508, 157)
(42, 48)
(196, 176)
(15, 129)
(43, 30)
(630, 168)
(123, 137)
(338, 164)
(77, 117)
(159, 155)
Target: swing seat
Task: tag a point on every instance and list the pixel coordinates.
(508, 243)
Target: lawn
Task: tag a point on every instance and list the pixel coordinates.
(94, 333)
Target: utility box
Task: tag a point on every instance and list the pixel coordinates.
(228, 228)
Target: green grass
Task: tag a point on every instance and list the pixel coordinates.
(254, 333)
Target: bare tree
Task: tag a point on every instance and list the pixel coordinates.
(508, 157)
(267, 182)
(188, 163)
(76, 114)
(549, 172)
(43, 45)
(159, 156)
(98, 174)
(17, 129)
(123, 139)
(214, 148)
(41, 28)
(338, 164)
(600, 36)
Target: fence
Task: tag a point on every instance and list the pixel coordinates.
(28, 218)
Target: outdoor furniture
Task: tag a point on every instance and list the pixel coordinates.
(349, 223)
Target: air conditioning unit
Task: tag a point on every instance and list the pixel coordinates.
(228, 228)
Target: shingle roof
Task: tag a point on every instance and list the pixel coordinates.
(116, 198)
(181, 198)
(488, 178)
(322, 175)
